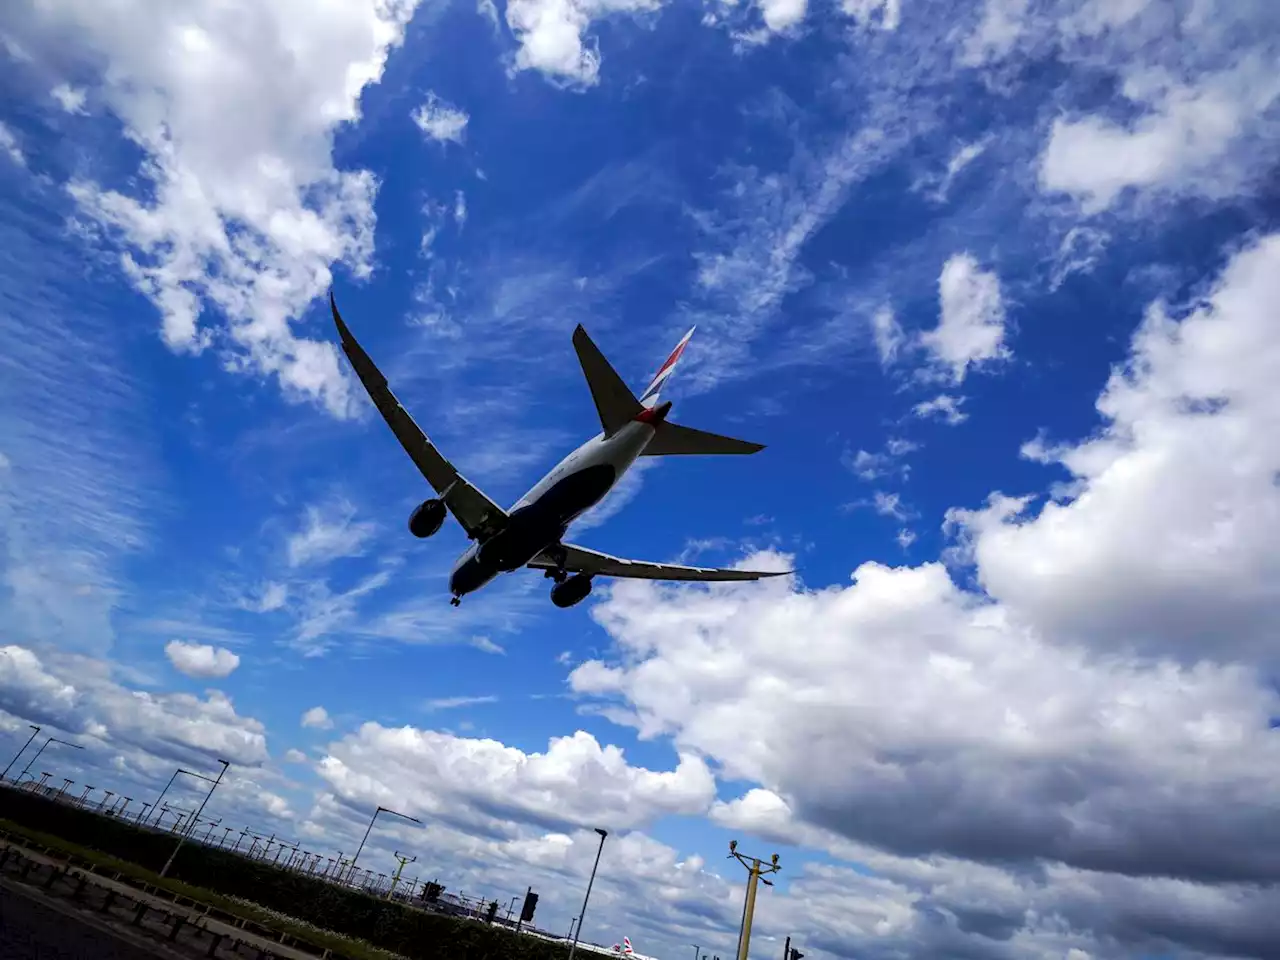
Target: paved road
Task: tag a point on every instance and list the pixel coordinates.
(31, 931)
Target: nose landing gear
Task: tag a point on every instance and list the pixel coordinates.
(455, 601)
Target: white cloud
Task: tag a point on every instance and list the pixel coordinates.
(552, 35)
(1167, 542)
(271, 596)
(330, 533)
(782, 15)
(71, 99)
(77, 695)
(294, 756)
(888, 335)
(943, 407)
(883, 14)
(1182, 139)
(452, 703)
(873, 466)
(235, 115)
(997, 33)
(470, 782)
(971, 328)
(201, 660)
(441, 121)
(460, 208)
(317, 718)
(1081, 249)
(9, 145)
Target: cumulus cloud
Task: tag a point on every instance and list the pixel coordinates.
(244, 210)
(1104, 708)
(77, 695)
(441, 121)
(1182, 138)
(553, 35)
(317, 718)
(971, 328)
(576, 782)
(201, 660)
(1167, 545)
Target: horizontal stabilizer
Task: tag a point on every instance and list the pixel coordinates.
(615, 403)
(672, 439)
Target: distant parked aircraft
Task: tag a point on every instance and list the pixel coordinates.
(530, 533)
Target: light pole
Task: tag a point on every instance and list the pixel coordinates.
(41, 750)
(697, 952)
(183, 836)
(34, 731)
(155, 804)
(578, 932)
(352, 866)
(754, 873)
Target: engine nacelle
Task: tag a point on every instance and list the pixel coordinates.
(428, 518)
(574, 590)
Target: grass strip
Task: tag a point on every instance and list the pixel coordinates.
(234, 907)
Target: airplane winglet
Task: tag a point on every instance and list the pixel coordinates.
(343, 331)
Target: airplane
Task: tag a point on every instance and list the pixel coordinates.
(530, 534)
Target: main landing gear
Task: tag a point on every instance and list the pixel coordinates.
(455, 601)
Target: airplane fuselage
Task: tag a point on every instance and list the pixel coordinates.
(539, 519)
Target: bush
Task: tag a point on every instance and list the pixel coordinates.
(386, 924)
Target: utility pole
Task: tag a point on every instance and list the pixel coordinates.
(755, 873)
(396, 879)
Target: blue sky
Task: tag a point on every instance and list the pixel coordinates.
(990, 280)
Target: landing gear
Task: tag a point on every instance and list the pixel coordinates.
(572, 590)
(455, 601)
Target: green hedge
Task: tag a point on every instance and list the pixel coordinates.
(390, 925)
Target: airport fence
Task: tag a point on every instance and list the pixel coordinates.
(397, 927)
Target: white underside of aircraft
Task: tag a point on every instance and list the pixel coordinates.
(531, 532)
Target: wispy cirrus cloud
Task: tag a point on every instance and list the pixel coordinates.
(79, 488)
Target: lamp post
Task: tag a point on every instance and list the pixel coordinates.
(600, 849)
(34, 731)
(352, 866)
(183, 836)
(65, 743)
(697, 952)
(155, 805)
(754, 873)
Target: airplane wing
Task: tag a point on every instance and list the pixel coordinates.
(476, 513)
(582, 560)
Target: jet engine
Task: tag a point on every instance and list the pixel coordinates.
(427, 518)
(571, 591)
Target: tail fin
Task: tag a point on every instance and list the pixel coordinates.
(615, 403)
(650, 396)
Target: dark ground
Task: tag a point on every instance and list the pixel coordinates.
(32, 931)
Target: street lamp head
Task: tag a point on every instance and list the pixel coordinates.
(603, 833)
(775, 859)
(733, 847)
